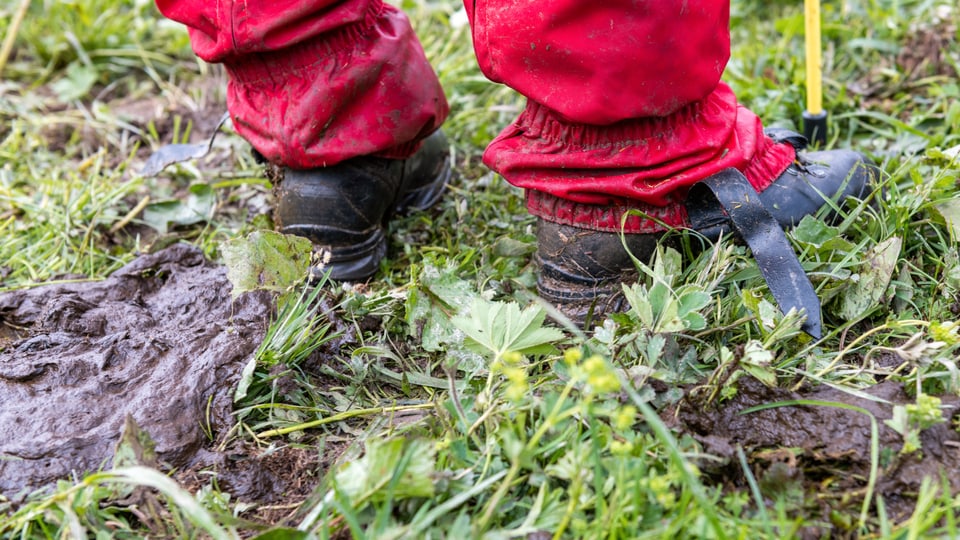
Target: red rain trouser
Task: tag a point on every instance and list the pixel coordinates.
(625, 105)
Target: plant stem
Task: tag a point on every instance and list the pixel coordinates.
(548, 423)
(342, 416)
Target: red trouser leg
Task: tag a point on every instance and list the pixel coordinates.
(315, 82)
(625, 106)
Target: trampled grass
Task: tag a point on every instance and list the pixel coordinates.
(455, 410)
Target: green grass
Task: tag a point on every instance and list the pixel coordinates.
(512, 428)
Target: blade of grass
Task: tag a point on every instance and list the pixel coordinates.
(12, 31)
(182, 499)
(343, 416)
(755, 490)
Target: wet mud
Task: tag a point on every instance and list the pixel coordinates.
(822, 453)
(160, 341)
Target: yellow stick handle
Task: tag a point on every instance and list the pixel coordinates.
(814, 70)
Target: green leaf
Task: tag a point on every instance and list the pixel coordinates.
(691, 302)
(660, 299)
(875, 274)
(195, 208)
(654, 348)
(767, 313)
(77, 83)
(246, 379)
(498, 327)
(571, 464)
(266, 260)
(367, 478)
(668, 265)
(439, 294)
(135, 447)
(751, 299)
(668, 320)
(636, 295)
(792, 25)
(506, 246)
(756, 361)
(814, 231)
(662, 309)
(950, 214)
(901, 423)
(926, 412)
(822, 237)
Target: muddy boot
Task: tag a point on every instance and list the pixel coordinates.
(345, 208)
(582, 270)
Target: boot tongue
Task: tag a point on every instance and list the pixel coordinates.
(729, 193)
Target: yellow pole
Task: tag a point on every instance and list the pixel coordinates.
(814, 118)
(814, 70)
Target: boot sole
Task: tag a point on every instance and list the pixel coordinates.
(357, 262)
(582, 304)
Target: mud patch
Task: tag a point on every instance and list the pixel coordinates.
(822, 450)
(159, 340)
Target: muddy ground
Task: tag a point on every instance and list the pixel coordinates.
(161, 341)
(820, 455)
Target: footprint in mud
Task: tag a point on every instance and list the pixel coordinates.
(157, 340)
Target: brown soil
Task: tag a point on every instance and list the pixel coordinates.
(138, 115)
(200, 115)
(273, 481)
(822, 450)
(160, 340)
(928, 52)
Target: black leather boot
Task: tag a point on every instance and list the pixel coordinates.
(582, 270)
(345, 208)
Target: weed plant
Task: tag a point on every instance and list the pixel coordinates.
(514, 426)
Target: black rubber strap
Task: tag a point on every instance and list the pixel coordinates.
(728, 192)
(783, 135)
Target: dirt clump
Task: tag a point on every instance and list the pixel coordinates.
(820, 450)
(160, 340)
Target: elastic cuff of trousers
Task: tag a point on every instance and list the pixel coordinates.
(254, 68)
(644, 218)
(544, 123)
